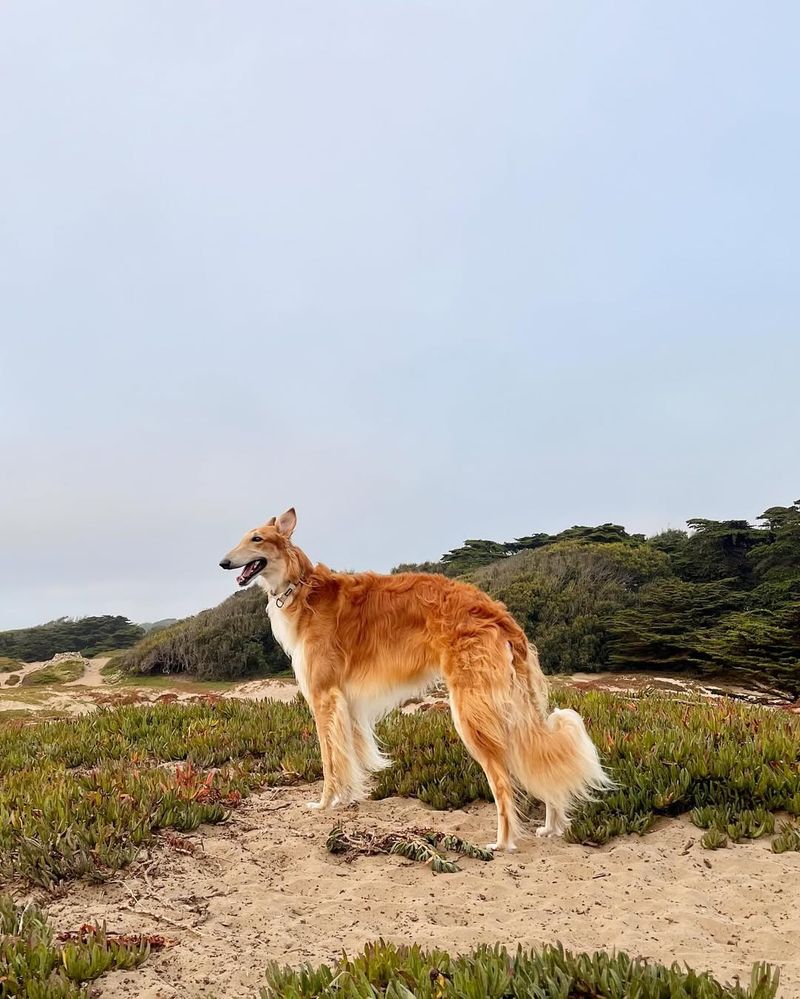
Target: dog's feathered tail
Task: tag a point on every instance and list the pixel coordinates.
(550, 755)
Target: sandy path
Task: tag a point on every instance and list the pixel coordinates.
(263, 887)
(92, 677)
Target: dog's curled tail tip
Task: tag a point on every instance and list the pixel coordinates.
(594, 778)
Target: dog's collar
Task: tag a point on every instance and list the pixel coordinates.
(281, 600)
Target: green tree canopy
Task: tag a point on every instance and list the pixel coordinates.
(722, 598)
(87, 635)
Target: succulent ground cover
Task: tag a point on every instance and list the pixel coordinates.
(78, 797)
(385, 971)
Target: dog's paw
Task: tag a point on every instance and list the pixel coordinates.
(543, 831)
(499, 848)
(323, 805)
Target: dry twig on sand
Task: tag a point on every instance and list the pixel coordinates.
(423, 845)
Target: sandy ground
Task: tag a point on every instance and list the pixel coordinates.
(262, 887)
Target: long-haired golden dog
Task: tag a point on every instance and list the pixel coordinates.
(361, 644)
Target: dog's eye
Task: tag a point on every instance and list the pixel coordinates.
(256, 537)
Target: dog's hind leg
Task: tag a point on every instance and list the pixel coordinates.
(556, 821)
(482, 731)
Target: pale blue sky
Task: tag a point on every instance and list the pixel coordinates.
(427, 271)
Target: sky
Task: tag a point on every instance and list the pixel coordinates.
(426, 271)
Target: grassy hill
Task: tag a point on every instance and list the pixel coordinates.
(165, 622)
(721, 598)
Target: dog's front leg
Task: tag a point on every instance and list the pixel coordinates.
(320, 707)
(342, 778)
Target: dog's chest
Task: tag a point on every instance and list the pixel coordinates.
(282, 628)
(285, 635)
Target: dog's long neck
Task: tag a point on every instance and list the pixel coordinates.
(298, 565)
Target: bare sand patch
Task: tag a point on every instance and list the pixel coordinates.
(263, 887)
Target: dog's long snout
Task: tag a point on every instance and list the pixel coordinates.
(226, 564)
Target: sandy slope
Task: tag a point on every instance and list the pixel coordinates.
(75, 697)
(263, 887)
(22, 670)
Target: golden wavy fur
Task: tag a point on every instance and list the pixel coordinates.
(362, 643)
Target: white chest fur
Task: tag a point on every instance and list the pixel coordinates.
(285, 635)
(282, 628)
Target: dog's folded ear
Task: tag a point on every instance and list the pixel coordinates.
(287, 522)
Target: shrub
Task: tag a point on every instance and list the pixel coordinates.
(565, 594)
(724, 598)
(228, 641)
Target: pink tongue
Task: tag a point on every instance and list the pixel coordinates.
(246, 573)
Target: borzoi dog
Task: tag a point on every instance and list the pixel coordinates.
(363, 643)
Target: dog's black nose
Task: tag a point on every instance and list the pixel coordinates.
(226, 563)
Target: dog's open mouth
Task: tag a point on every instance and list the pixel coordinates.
(250, 571)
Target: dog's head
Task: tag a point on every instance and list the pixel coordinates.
(265, 552)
